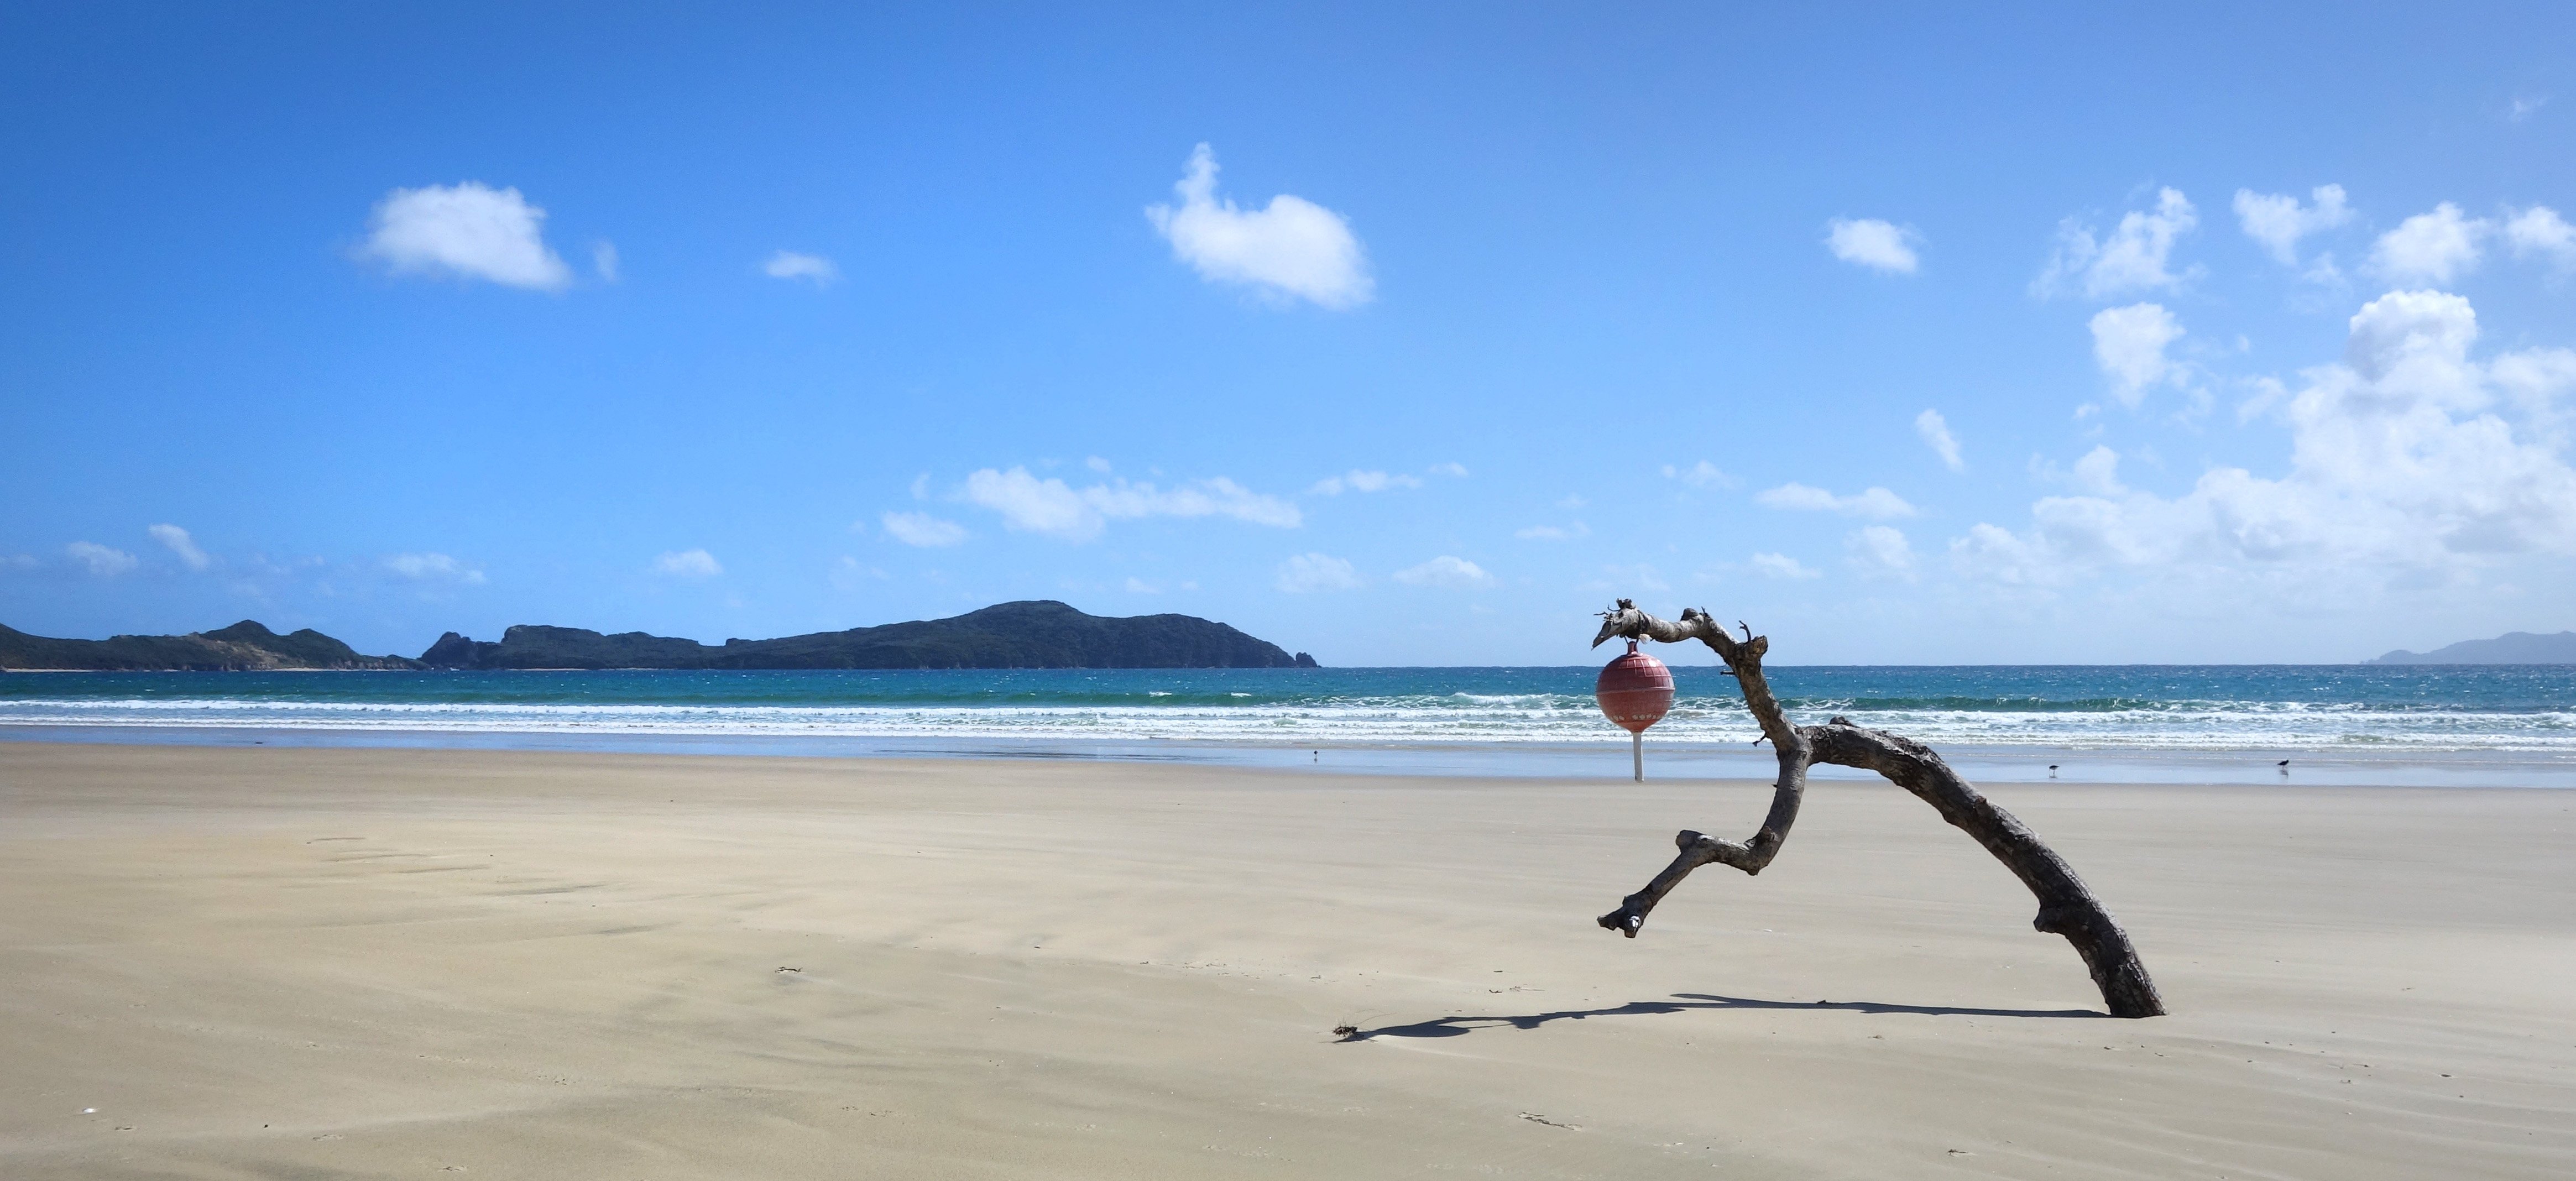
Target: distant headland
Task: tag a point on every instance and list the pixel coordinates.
(244, 647)
(2509, 648)
(1029, 634)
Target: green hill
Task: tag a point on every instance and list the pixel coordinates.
(1033, 634)
(2509, 648)
(243, 646)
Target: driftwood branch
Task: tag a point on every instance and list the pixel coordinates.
(2066, 906)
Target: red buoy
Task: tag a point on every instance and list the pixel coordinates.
(1635, 691)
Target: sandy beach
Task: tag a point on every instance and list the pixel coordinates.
(403, 963)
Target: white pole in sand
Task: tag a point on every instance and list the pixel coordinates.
(1637, 748)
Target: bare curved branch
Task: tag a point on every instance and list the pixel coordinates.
(2066, 906)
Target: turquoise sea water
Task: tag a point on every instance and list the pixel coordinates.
(2327, 708)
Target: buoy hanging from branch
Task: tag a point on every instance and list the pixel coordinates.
(1635, 691)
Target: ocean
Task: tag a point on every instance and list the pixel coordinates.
(2524, 716)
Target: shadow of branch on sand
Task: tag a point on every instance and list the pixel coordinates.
(1456, 1026)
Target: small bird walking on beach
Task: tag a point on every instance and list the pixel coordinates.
(2284, 765)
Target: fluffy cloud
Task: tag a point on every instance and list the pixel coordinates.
(1998, 555)
(1872, 243)
(2431, 247)
(1033, 505)
(1453, 470)
(2402, 457)
(1553, 532)
(690, 563)
(1700, 475)
(1878, 551)
(104, 561)
(2099, 473)
(2539, 230)
(2129, 343)
(603, 259)
(813, 268)
(1783, 566)
(1360, 481)
(2278, 221)
(1936, 435)
(1292, 248)
(923, 530)
(470, 230)
(1877, 503)
(2134, 257)
(1445, 571)
(181, 544)
(1052, 507)
(1309, 573)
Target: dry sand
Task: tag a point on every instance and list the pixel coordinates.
(324, 963)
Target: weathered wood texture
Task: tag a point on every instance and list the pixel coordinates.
(2066, 906)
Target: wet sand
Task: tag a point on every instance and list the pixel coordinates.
(400, 963)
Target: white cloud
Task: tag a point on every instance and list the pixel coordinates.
(2402, 458)
(1936, 435)
(1050, 506)
(603, 259)
(1294, 247)
(432, 567)
(2539, 230)
(1360, 481)
(1138, 586)
(1878, 551)
(923, 530)
(1783, 566)
(1097, 464)
(2129, 343)
(1445, 571)
(813, 268)
(1455, 470)
(1872, 243)
(1876, 503)
(2431, 247)
(1997, 555)
(2134, 258)
(2098, 473)
(181, 544)
(2531, 382)
(101, 560)
(1033, 505)
(1700, 475)
(470, 230)
(2525, 106)
(1307, 573)
(692, 563)
(1553, 533)
(2278, 221)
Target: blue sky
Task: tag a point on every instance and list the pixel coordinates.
(2247, 333)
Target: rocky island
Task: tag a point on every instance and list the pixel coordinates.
(2509, 648)
(245, 646)
(1031, 634)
